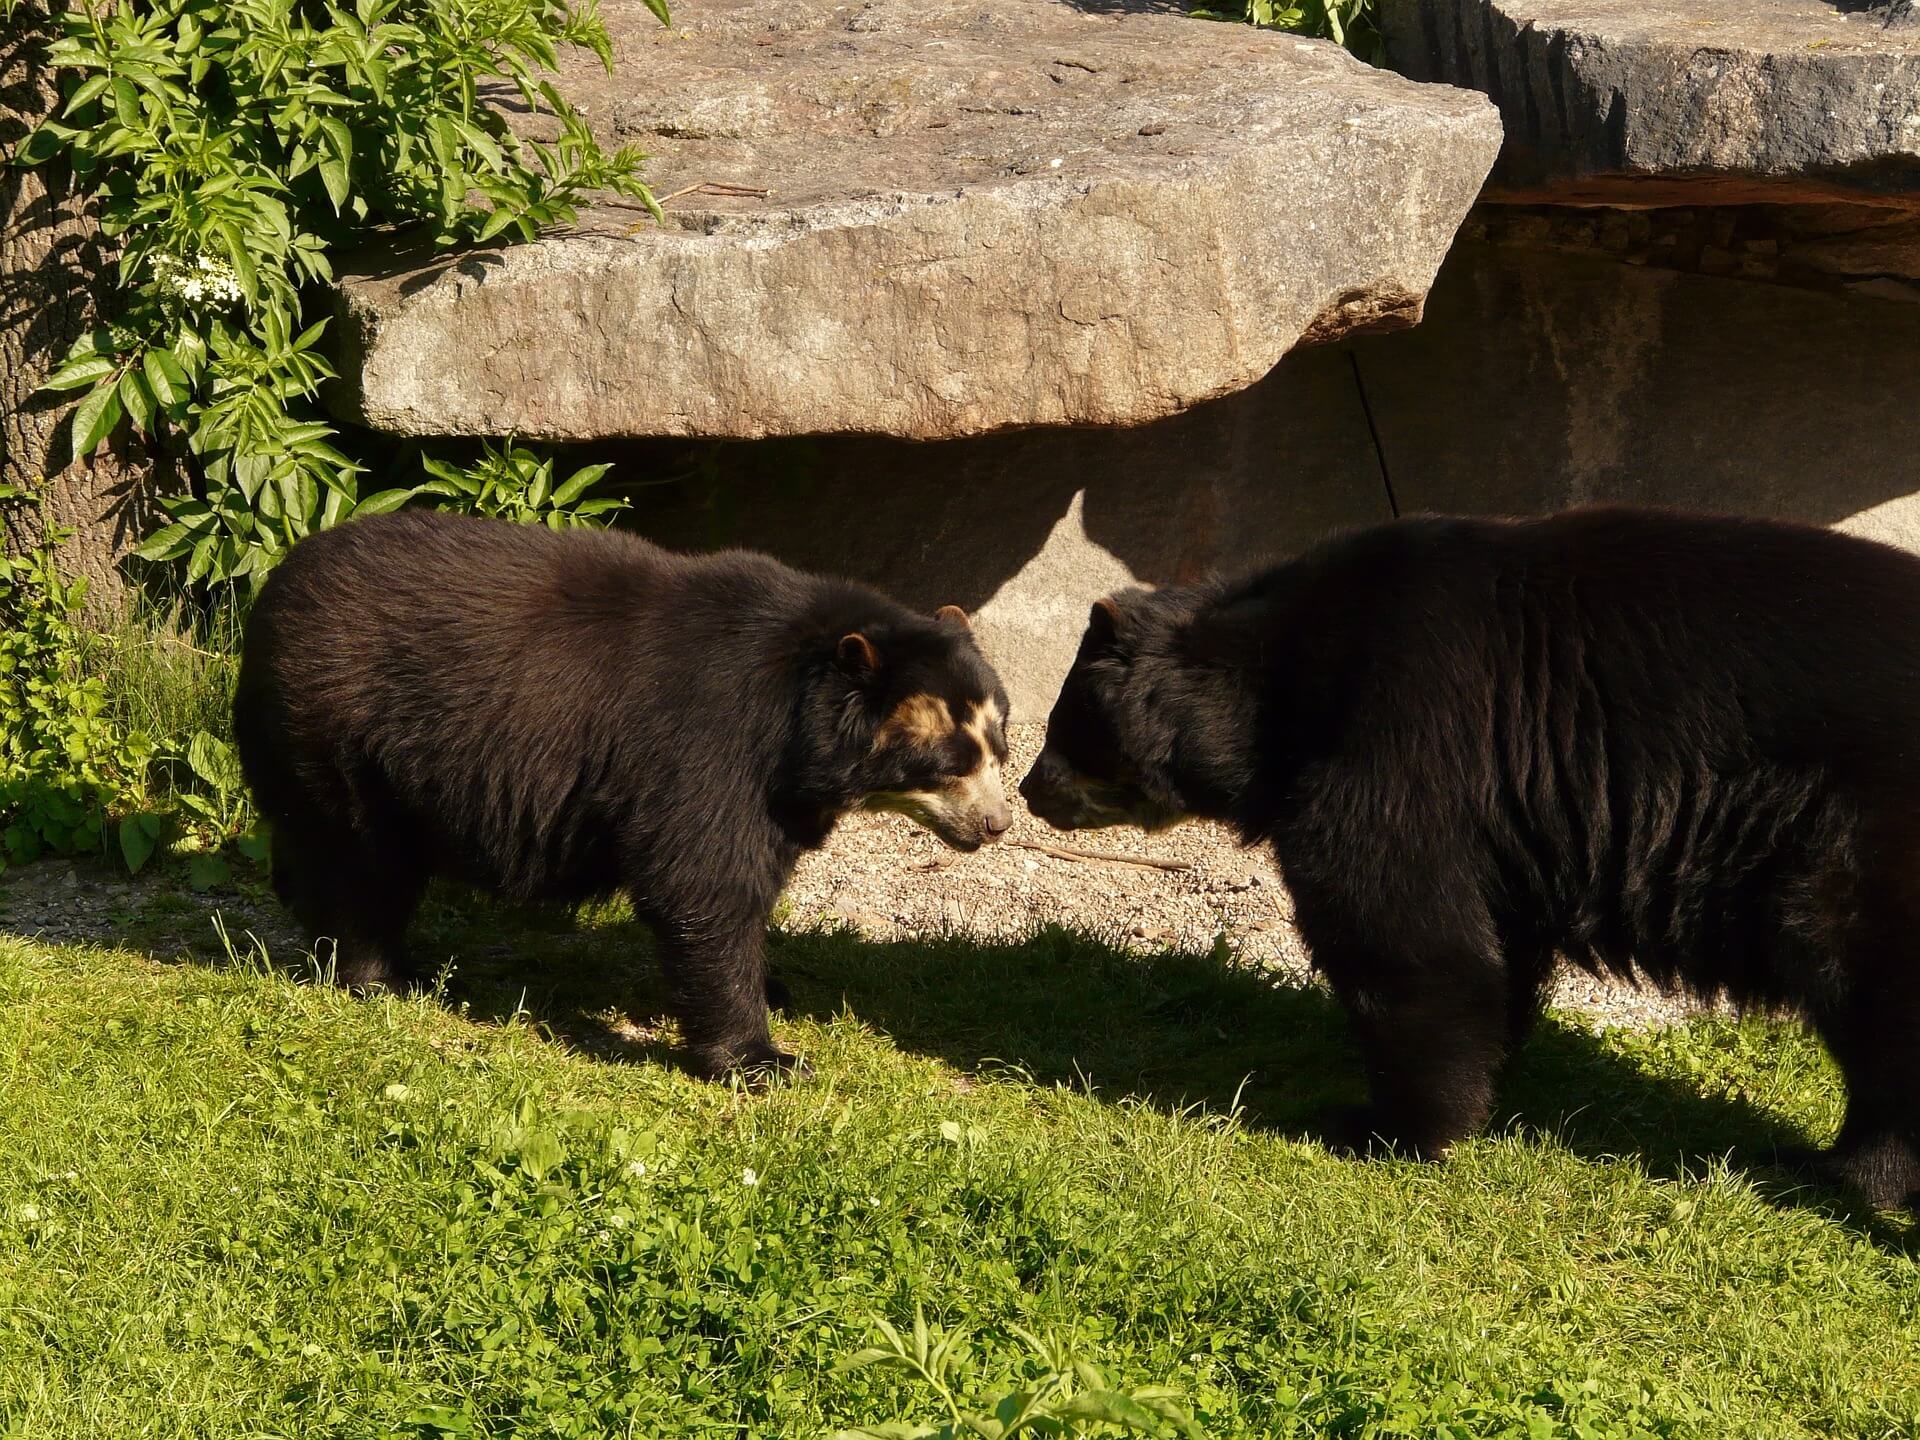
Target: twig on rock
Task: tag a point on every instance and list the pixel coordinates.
(700, 187)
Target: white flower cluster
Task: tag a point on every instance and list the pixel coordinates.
(200, 281)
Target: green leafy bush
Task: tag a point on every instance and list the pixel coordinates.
(511, 482)
(67, 769)
(1346, 22)
(233, 145)
(88, 762)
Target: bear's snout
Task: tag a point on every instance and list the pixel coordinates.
(1050, 792)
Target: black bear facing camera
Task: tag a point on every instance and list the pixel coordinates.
(560, 715)
(1677, 747)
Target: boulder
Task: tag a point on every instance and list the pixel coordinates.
(1663, 102)
(932, 219)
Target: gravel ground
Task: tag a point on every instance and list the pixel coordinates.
(883, 876)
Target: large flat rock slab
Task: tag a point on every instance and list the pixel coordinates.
(1677, 101)
(980, 214)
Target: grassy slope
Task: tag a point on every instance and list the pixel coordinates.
(236, 1205)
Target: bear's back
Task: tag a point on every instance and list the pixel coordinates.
(1676, 628)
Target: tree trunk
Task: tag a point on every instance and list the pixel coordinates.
(57, 279)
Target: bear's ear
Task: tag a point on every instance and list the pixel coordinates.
(857, 656)
(955, 615)
(1103, 622)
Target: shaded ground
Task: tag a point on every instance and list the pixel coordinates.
(880, 875)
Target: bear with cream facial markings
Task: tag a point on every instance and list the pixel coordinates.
(1675, 746)
(556, 716)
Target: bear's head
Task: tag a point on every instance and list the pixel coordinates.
(927, 729)
(1120, 729)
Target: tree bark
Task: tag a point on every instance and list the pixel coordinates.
(57, 278)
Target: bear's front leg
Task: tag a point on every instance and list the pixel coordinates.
(1433, 1036)
(716, 975)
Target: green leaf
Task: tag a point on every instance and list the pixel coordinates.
(166, 379)
(598, 507)
(441, 1420)
(89, 91)
(137, 399)
(126, 103)
(578, 482)
(383, 502)
(208, 872)
(213, 761)
(169, 542)
(95, 418)
(499, 219)
(659, 8)
(333, 175)
(860, 1359)
(78, 374)
(1114, 1408)
(540, 1153)
(457, 480)
(202, 556)
(43, 144)
(241, 258)
(139, 834)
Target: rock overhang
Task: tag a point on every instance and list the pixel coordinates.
(933, 220)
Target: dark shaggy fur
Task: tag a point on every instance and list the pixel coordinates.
(1685, 744)
(554, 716)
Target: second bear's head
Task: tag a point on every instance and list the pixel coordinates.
(921, 726)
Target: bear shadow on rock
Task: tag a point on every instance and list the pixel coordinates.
(1170, 1030)
(1251, 476)
(1023, 528)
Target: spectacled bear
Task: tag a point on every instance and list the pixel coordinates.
(554, 716)
(1683, 744)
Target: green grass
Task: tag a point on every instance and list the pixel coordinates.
(168, 673)
(239, 1205)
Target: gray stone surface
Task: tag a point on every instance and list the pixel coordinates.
(1543, 380)
(1671, 101)
(1026, 530)
(983, 214)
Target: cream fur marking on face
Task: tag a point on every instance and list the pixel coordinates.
(955, 811)
(917, 720)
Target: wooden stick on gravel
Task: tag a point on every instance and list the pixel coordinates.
(1112, 857)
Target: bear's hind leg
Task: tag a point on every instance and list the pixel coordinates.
(1854, 954)
(1877, 1045)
